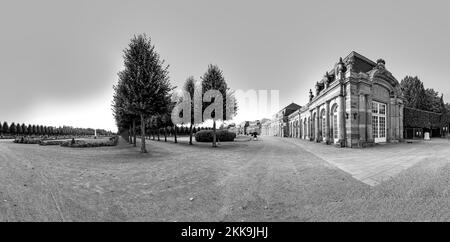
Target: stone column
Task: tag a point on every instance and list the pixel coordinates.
(341, 120)
(327, 122)
(392, 128)
(317, 133)
(369, 137)
(362, 119)
(304, 132)
(310, 125)
(307, 128)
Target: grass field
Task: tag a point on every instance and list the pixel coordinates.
(266, 180)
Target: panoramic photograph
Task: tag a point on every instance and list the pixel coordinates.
(224, 111)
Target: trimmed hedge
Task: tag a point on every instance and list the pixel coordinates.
(52, 142)
(221, 135)
(416, 118)
(27, 140)
(85, 144)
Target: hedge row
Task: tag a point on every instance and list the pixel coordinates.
(68, 143)
(221, 135)
(180, 130)
(415, 118)
(27, 140)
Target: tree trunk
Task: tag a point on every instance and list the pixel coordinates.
(175, 133)
(159, 131)
(190, 135)
(134, 133)
(130, 135)
(153, 134)
(165, 134)
(143, 149)
(214, 134)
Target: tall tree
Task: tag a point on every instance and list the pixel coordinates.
(19, 128)
(13, 129)
(146, 81)
(189, 87)
(24, 129)
(5, 128)
(213, 79)
(175, 99)
(413, 92)
(432, 101)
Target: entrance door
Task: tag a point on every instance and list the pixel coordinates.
(379, 121)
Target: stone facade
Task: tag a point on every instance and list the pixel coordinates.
(356, 104)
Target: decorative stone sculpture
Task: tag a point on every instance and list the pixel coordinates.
(381, 64)
(325, 80)
(350, 63)
(340, 69)
(311, 96)
(341, 66)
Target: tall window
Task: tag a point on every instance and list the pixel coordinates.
(309, 127)
(379, 121)
(324, 124)
(335, 124)
(305, 128)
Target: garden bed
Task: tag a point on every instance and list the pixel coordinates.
(86, 143)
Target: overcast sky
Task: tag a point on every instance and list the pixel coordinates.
(59, 59)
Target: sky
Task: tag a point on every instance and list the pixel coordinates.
(60, 59)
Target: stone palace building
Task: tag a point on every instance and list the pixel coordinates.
(357, 103)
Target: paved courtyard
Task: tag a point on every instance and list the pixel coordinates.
(373, 165)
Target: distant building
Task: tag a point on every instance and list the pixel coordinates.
(279, 125)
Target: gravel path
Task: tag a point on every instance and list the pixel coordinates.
(266, 180)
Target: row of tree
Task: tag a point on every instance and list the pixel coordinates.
(142, 94)
(21, 129)
(143, 97)
(418, 97)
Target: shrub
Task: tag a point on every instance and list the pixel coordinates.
(221, 135)
(27, 140)
(52, 142)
